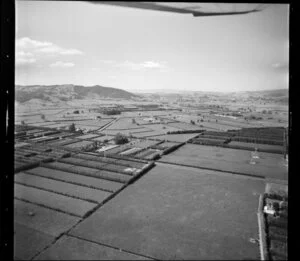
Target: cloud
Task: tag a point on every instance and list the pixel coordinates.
(71, 52)
(61, 64)
(24, 58)
(143, 65)
(26, 44)
(150, 64)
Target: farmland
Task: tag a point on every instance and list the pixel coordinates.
(231, 160)
(183, 182)
(170, 207)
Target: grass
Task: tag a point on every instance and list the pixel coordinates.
(54, 201)
(230, 160)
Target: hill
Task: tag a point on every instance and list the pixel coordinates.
(271, 93)
(68, 92)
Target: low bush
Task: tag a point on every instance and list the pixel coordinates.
(277, 222)
(185, 131)
(276, 196)
(120, 139)
(278, 247)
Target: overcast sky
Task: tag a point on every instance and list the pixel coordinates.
(141, 50)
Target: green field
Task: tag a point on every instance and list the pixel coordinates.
(63, 188)
(65, 204)
(231, 160)
(45, 220)
(180, 213)
(78, 145)
(176, 137)
(76, 179)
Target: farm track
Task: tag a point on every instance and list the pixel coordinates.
(107, 125)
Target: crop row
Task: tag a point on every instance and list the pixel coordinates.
(95, 165)
(147, 143)
(20, 134)
(155, 155)
(63, 188)
(131, 151)
(257, 140)
(241, 147)
(62, 135)
(44, 139)
(65, 142)
(23, 153)
(34, 157)
(22, 127)
(53, 201)
(76, 179)
(115, 167)
(21, 166)
(128, 158)
(214, 137)
(27, 137)
(207, 142)
(217, 133)
(96, 158)
(145, 153)
(41, 148)
(259, 135)
(185, 131)
(117, 150)
(48, 152)
(108, 175)
(34, 131)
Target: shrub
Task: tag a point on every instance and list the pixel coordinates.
(120, 139)
(276, 206)
(277, 222)
(76, 112)
(72, 127)
(112, 112)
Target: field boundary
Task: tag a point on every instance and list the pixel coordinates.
(70, 182)
(219, 170)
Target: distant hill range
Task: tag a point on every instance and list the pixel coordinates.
(278, 95)
(275, 95)
(271, 93)
(67, 92)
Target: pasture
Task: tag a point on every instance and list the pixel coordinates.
(268, 165)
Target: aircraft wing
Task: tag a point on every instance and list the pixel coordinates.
(196, 9)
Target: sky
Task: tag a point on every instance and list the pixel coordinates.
(144, 50)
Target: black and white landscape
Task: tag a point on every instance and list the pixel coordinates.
(151, 131)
